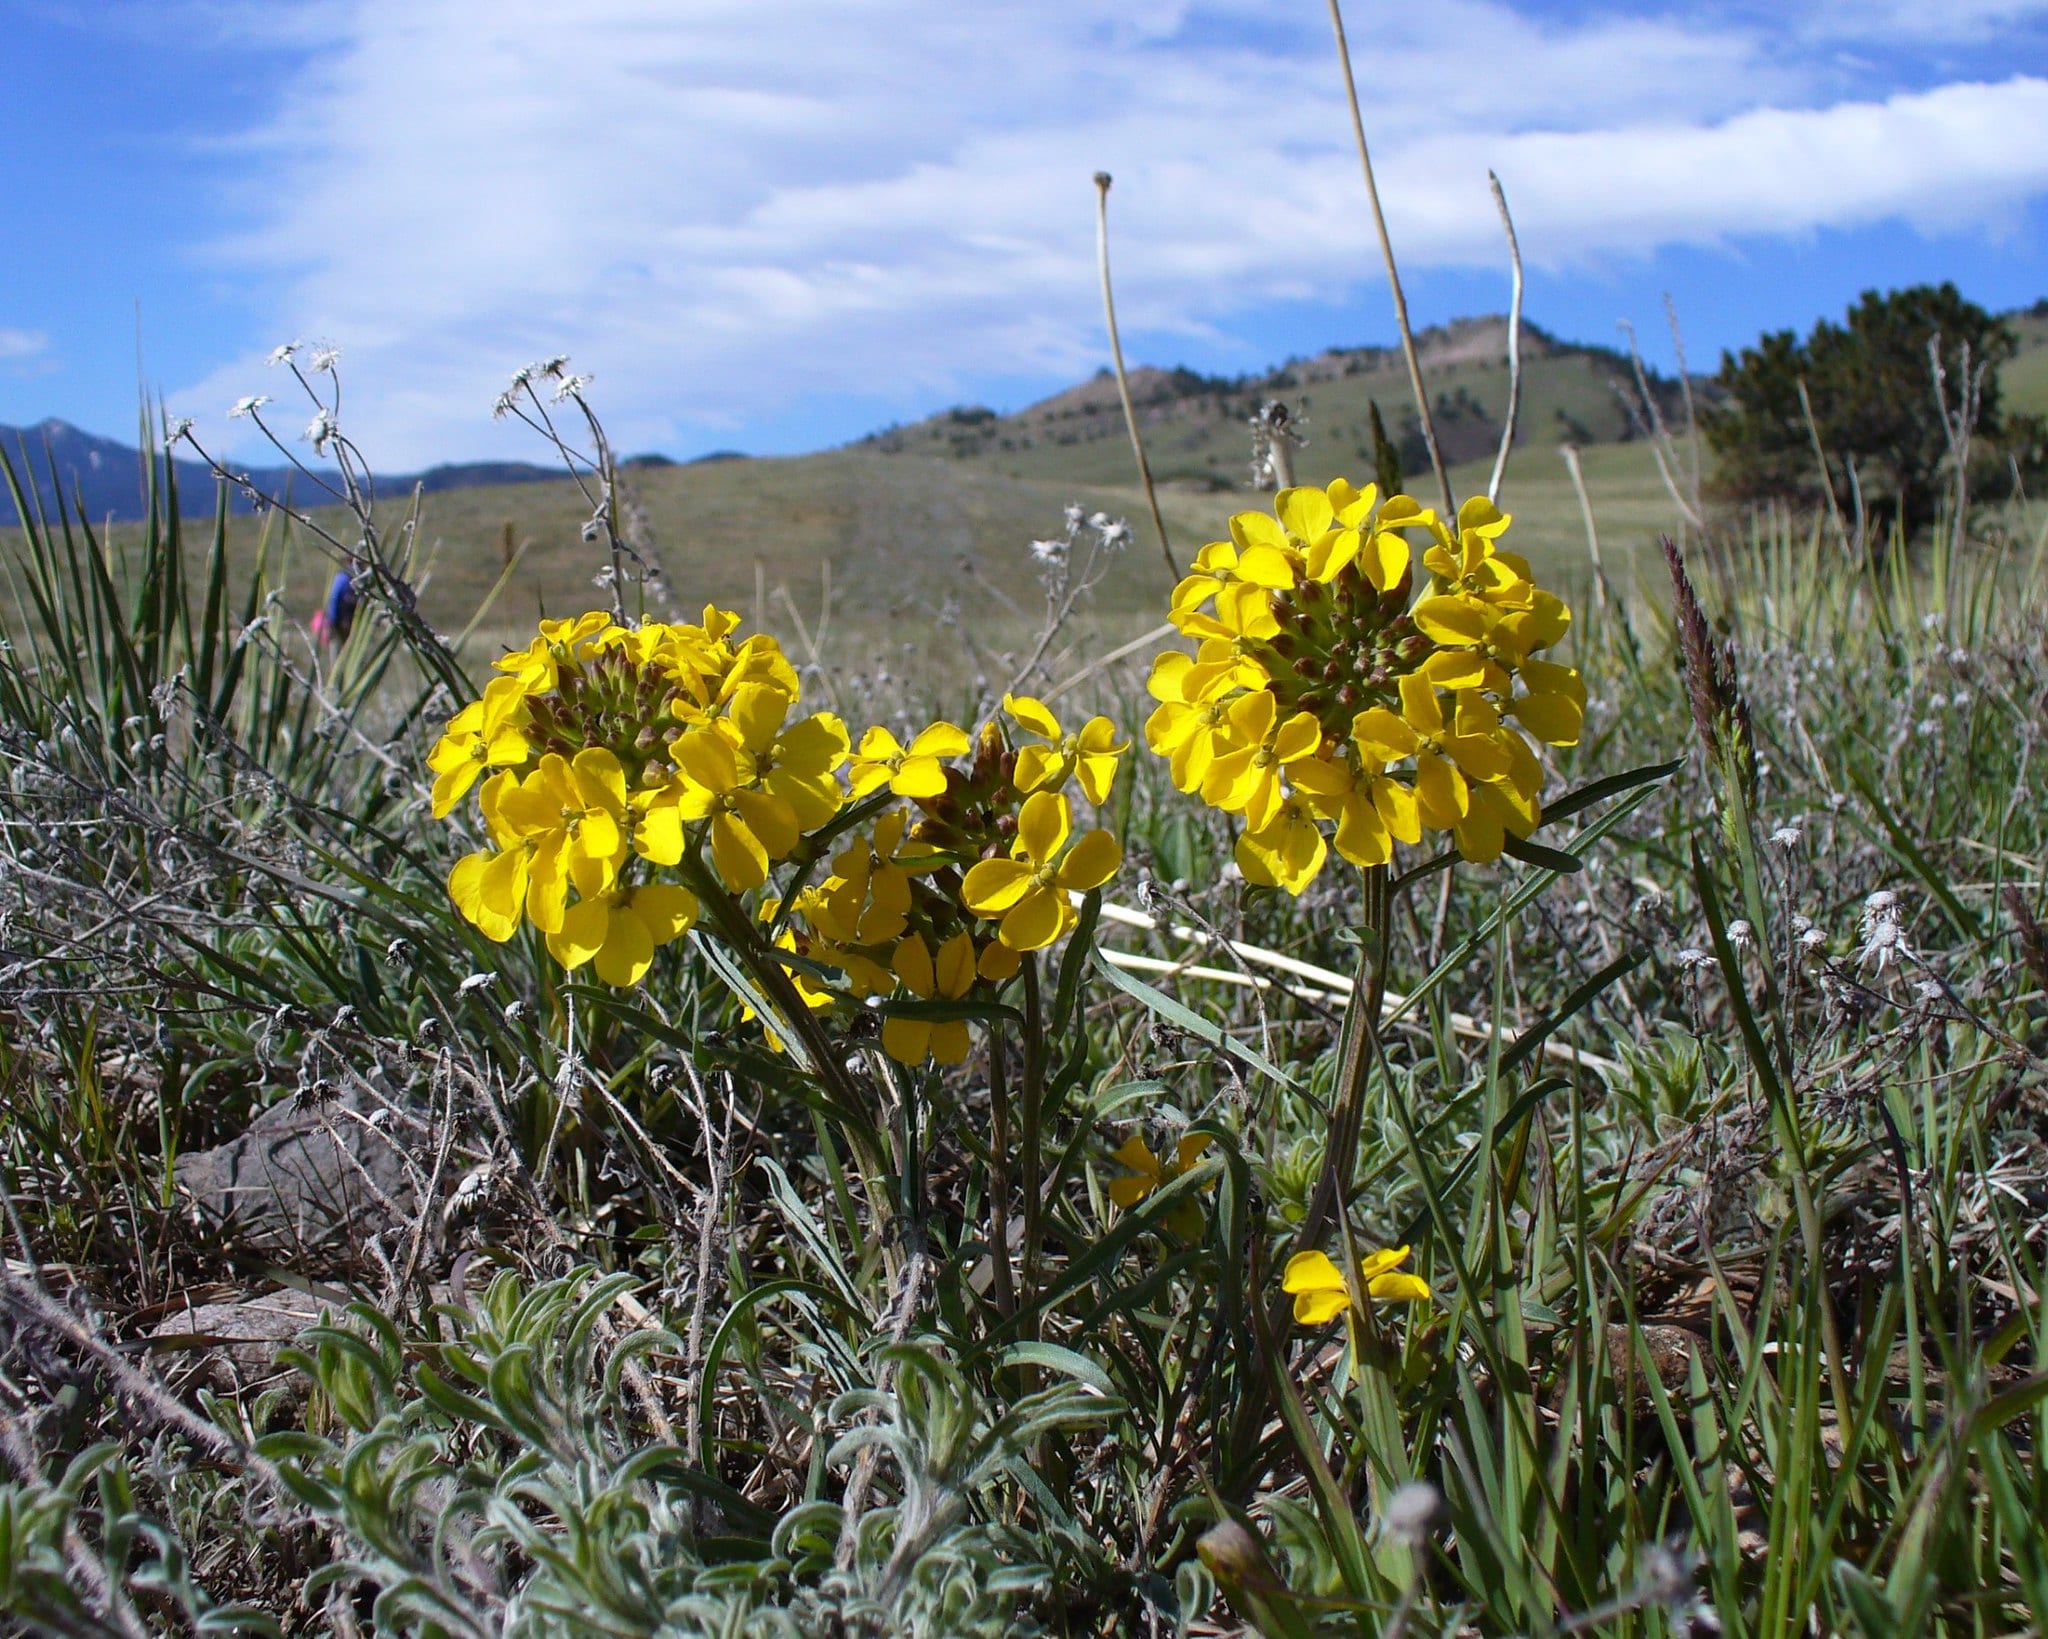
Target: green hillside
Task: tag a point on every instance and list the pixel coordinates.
(1195, 426)
(898, 541)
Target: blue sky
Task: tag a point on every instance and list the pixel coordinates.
(775, 224)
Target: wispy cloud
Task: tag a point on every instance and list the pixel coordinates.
(19, 345)
(730, 207)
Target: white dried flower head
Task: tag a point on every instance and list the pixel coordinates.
(1693, 960)
(1883, 931)
(177, 427)
(1926, 728)
(513, 1009)
(570, 387)
(1960, 700)
(554, 365)
(1410, 1513)
(476, 981)
(1116, 535)
(279, 354)
(248, 406)
(1047, 554)
(474, 1188)
(1929, 990)
(320, 430)
(1789, 834)
(1930, 621)
(1741, 935)
(325, 357)
(504, 404)
(1076, 515)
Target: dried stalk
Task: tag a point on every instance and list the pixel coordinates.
(1123, 380)
(1372, 191)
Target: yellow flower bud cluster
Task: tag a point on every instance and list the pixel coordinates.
(603, 755)
(1330, 684)
(939, 899)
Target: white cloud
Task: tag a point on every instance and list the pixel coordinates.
(21, 346)
(730, 208)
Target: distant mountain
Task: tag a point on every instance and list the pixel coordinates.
(104, 478)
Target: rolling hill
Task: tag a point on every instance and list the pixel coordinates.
(909, 549)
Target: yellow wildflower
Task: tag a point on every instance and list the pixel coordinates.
(914, 770)
(618, 932)
(1193, 714)
(1320, 1293)
(1149, 1173)
(538, 666)
(1091, 753)
(489, 732)
(1244, 777)
(571, 813)
(1027, 893)
(1287, 851)
(762, 788)
(1445, 754)
(949, 977)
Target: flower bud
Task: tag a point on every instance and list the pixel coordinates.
(1414, 650)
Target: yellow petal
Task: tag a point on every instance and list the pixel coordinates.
(1399, 1289)
(1033, 715)
(1039, 917)
(669, 911)
(582, 933)
(628, 950)
(913, 965)
(1091, 862)
(1450, 619)
(940, 740)
(1314, 1308)
(954, 968)
(1311, 1272)
(994, 885)
(1042, 827)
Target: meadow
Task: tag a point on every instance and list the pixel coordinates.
(820, 1047)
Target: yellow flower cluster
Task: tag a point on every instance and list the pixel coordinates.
(604, 751)
(604, 754)
(1324, 690)
(945, 895)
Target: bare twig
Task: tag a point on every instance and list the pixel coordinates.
(1123, 381)
(1507, 429)
(1422, 409)
(1570, 453)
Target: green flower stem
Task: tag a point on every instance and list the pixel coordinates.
(1358, 1044)
(1004, 1286)
(1031, 1137)
(743, 937)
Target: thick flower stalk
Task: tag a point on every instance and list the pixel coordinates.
(1335, 681)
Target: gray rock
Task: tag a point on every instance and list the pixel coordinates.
(232, 1347)
(308, 1185)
